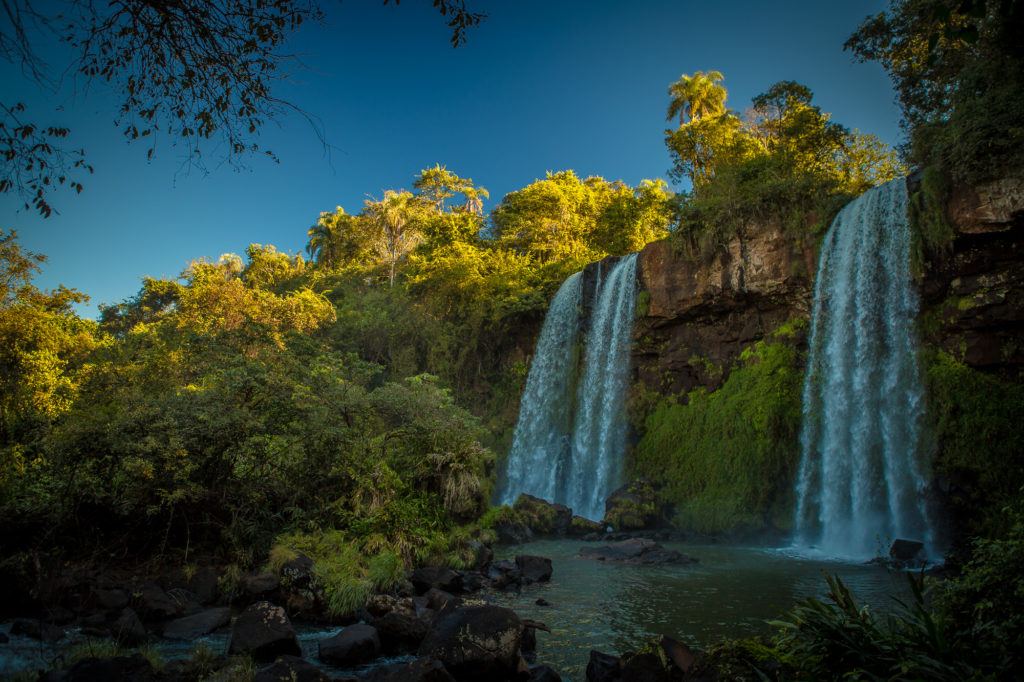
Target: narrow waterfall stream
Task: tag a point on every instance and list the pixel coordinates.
(569, 440)
(859, 483)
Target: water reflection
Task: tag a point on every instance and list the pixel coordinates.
(730, 593)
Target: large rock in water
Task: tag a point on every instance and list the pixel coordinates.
(476, 642)
(441, 577)
(199, 624)
(534, 569)
(905, 551)
(603, 667)
(634, 506)
(354, 645)
(544, 518)
(636, 551)
(263, 631)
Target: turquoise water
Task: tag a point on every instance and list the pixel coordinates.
(731, 593)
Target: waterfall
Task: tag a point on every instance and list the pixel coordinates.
(571, 434)
(859, 485)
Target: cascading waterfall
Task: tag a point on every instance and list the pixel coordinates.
(568, 445)
(859, 484)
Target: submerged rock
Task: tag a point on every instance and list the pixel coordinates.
(263, 631)
(636, 551)
(905, 551)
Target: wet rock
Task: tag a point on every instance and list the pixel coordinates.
(436, 576)
(544, 673)
(260, 584)
(646, 667)
(203, 584)
(354, 645)
(419, 670)
(680, 655)
(151, 603)
(263, 631)
(905, 551)
(112, 600)
(582, 527)
(636, 551)
(503, 574)
(534, 569)
(473, 581)
(476, 642)
(603, 667)
(543, 517)
(438, 599)
(512, 532)
(482, 554)
(291, 669)
(541, 601)
(134, 668)
(633, 506)
(199, 624)
(128, 628)
(46, 632)
(402, 630)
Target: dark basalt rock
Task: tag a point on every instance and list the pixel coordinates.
(645, 667)
(603, 667)
(510, 533)
(354, 645)
(544, 673)
(134, 668)
(291, 669)
(260, 584)
(534, 569)
(436, 576)
(680, 655)
(198, 624)
(583, 527)
(420, 670)
(203, 584)
(402, 630)
(476, 642)
(264, 632)
(153, 603)
(636, 551)
(634, 506)
(905, 551)
(128, 628)
(545, 518)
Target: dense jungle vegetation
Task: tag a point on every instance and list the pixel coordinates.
(355, 402)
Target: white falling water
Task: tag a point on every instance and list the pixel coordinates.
(859, 485)
(541, 444)
(568, 445)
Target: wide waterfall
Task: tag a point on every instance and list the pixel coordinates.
(859, 483)
(571, 434)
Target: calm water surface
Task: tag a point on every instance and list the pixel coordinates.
(730, 593)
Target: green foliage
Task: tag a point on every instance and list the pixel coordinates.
(726, 459)
(785, 162)
(975, 419)
(958, 69)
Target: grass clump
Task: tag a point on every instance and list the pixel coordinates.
(726, 459)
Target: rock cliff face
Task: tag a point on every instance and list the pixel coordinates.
(972, 296)
(697, 316)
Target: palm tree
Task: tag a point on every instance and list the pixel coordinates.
(696, 96)
(396, 219)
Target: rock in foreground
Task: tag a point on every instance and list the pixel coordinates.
(476, 642)
(264, 632)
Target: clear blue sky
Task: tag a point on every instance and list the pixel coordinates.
(540, 86)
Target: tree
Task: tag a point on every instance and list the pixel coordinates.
(200, 73)
(397, 222)
(337, 239)
(696, 96)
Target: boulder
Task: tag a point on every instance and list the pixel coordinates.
(482, 553)
(534, 569)
(259, 584)
(198, 624)
(512, 532)
(263, 631)
(152, 603)
(204, 584)
(476, 642)
(402, 630)
(636, 551)
(46, 632)
(128, 628)
(354, 645)
(677, 653)
(134, 668)
(111, 600)
(298, 572)
(504, 573)
(438, 599)
(645, 667)
(419, 670)
(544, 673)
(582, 527)
(603, 667)
(473, 581)
(543, 517)
(290, 669)
(905, 551)
(441, 577)
(633, 506)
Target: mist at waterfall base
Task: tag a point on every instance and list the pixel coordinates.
(859, 484)
(570, 439)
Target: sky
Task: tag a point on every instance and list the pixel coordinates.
(540, 86)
